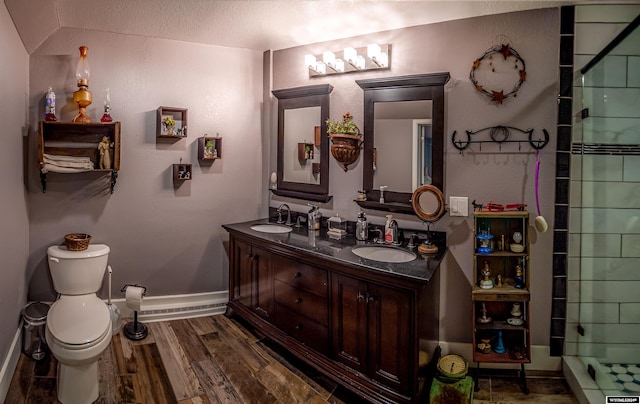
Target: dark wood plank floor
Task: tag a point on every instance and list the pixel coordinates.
(217, 360)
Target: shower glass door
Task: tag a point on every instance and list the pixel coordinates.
(605, 218)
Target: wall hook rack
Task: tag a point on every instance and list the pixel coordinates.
(501, 134)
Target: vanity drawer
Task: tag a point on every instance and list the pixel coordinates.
(309, 332)
(302, 276)
(301, 301)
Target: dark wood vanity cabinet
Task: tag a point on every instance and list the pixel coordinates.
(360, 327)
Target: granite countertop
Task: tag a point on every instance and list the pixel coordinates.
(319, 244)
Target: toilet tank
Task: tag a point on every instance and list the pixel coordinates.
(78, 272)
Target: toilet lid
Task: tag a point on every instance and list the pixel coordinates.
(77, 320)
(94, 250)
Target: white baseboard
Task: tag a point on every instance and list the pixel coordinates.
(10, 363)
(175, 307)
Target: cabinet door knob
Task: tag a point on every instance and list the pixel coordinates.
(298, 300)
(370, 299)
(299, 327)
(361, 296)
(297, 275)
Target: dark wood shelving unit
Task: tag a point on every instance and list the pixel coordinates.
(78, 140)
(492, 307)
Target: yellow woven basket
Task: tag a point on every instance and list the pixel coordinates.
(77, 241)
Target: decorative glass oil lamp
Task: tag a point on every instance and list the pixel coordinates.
(484, 242)
(106, 117)
(486, 282)
(516, 314)
(82, 97)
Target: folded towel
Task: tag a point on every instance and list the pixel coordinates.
(57, 169)
(56, 157)
(70, 164)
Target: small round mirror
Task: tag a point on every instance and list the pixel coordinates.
(428, 203)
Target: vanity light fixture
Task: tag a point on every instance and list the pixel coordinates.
(370, 57)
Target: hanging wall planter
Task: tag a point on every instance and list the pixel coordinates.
(346, 140)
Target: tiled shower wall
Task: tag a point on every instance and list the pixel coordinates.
(604, 224)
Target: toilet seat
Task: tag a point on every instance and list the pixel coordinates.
(77, 322)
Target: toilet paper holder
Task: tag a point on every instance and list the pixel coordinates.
(144, 288)
(135, 330)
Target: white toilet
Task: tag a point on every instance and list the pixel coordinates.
(79, 322)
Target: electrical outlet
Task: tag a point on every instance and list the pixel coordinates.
(458, 206)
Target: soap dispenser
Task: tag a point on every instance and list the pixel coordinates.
(362, 228)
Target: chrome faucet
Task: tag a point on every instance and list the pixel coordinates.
(288, 222)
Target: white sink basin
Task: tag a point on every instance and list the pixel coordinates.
(271, 228)
(384, 254)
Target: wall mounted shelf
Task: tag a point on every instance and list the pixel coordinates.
(305, 151)
(182, 172)
(58, 140)
(178, 115)
(501, 134)
(211, 153)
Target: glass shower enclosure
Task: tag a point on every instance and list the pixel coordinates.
(604, 225)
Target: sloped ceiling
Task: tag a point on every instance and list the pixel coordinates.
(252, 24)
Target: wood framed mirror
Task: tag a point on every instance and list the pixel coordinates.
(403, 138)
(303, 147)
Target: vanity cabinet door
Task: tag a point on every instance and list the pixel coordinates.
(253, 279)
(391, 337)
(242, 289)
(349, 321)
(262, 282)
(373, 332)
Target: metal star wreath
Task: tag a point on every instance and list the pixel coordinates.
(491, 68)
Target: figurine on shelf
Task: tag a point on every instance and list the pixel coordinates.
(499, 281)
(486, 282)
(484, 319)
(518, 280)
(105, 157)
(484, 346)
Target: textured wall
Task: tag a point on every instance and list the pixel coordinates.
(14, 238)
(166, 237)
(489, 175)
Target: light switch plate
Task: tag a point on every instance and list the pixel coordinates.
(459, 206)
